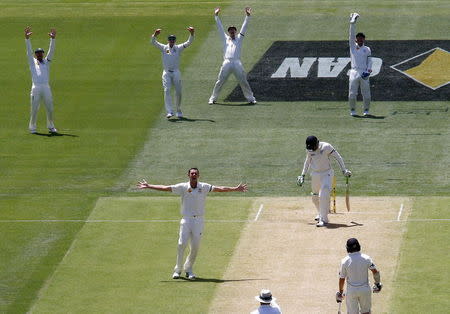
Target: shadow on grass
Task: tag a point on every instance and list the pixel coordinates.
(246, 104)
(184, 119)
(369, 116)
(214, 280)
(55, 134)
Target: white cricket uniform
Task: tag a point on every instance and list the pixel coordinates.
(354, 268)
(171, 73)
(322, 174)
(271, 308)
(40, 89)
(361, 61)
(232, 62)
(191, 225)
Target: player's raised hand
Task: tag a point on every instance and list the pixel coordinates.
(353, 17)
(216, 11)
(242, 187)
(157, 32)
(52, 33)
(142, 184)
(28, 32)
(248, 11)
(191, 30)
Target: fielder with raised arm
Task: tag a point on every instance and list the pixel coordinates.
(318, 161)
(361, 64)
(193, 197)
(354, 268)
(171, 74)
(40, 76)
(232, 45)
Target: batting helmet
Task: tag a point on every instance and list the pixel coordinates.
(172, 37)
(312, 143)
(353, 245)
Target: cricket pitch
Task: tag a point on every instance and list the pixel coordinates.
(281, 249)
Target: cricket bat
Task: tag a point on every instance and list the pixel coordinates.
(347, 194)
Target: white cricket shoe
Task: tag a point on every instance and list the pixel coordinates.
(352, 113)
(169, 115)
(176, 275)
(321, 224)
(33, 131)
(179, 114)
(190, 276)
(253, 102)
(366, 113)
(52, 130)
(211, 102)
(317, 218)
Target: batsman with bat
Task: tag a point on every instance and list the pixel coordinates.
(318, 161)
(355, 269)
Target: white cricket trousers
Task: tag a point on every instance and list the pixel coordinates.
(358, 300)
(355, 82)
(38, 92)
(170, 78)
(232, 66)
(191, 229)
(321, 190)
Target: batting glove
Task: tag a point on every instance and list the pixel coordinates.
(339, 297)
(300, 180)
(353, 18)
(377, 287)
(347, 173)
(365, 75)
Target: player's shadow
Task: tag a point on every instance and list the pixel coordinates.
(184, 119)
(55, 134)
(369, 116)
(246, 104)
(214, 280)
(331, 225)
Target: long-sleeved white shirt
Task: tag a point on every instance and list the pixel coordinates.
(359, 55)
(355, 268)
(171, 56)
(232, 47)
(319, 160)
(271, 308)
(40, 71)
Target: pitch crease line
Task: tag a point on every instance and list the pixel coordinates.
(259, 212)
(400, 212)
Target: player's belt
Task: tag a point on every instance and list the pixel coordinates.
(171, 71)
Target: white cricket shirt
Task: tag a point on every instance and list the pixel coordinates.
(232, 47)
(171, 56)
(192, 200)
(360, 56)
(272, 308)
(40, 71)
(355, 268)
(319, 160)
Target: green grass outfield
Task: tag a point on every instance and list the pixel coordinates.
(108, 102)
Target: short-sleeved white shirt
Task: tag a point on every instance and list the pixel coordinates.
(192, 200)
(355, 268)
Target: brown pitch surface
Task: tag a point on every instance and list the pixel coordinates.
(285, 252)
